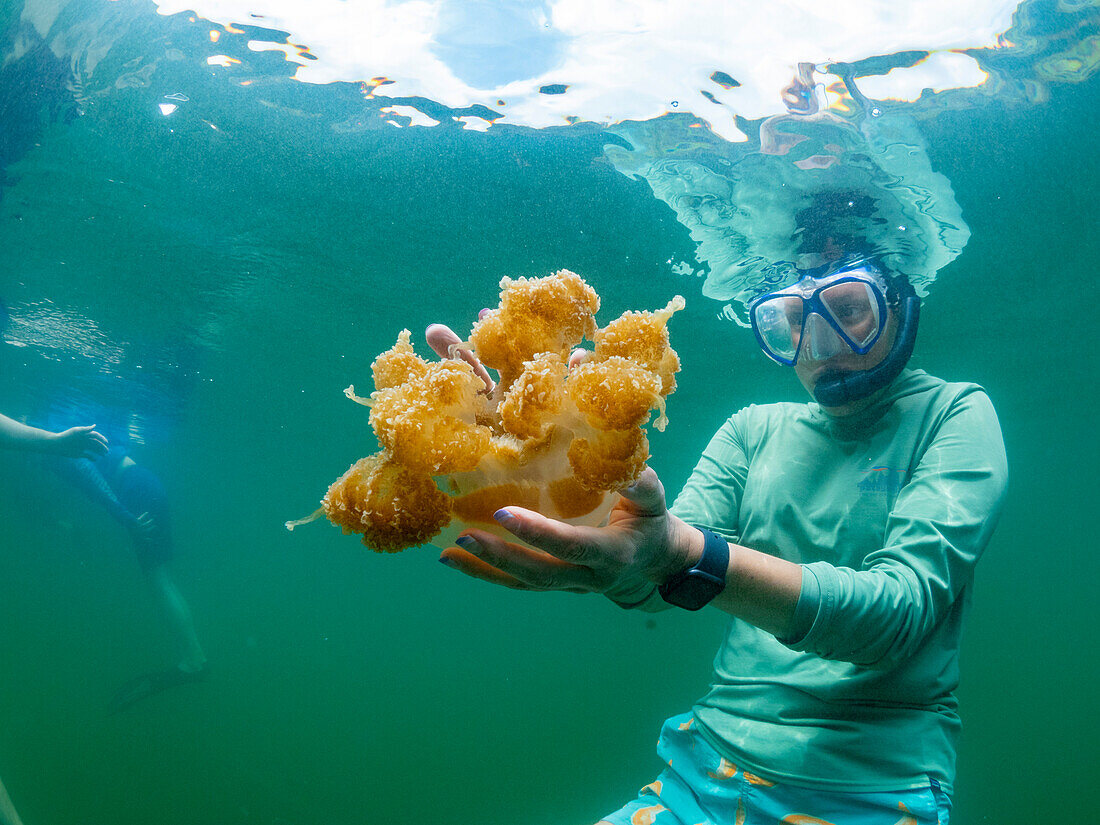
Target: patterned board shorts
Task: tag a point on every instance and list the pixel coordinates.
(702, 788)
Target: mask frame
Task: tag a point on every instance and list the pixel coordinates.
(840, 388)
(813, 304)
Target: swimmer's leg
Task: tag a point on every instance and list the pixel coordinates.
(189, 652)
(143, 495)
(177, 612)
(88, 477)
(191, 660)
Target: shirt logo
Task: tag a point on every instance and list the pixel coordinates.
(883, 480)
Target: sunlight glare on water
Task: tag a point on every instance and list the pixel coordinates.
(544, 63)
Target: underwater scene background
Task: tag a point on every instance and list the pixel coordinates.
(199, 252)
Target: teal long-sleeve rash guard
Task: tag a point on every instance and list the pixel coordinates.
(888, 512)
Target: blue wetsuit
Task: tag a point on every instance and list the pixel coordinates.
(127, 492)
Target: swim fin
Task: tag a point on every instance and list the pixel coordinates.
(150, 684)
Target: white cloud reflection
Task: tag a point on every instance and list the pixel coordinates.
(939, 72)
(616, 60)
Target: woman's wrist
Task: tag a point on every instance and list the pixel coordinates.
(683, 549)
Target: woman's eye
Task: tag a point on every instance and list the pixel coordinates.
(850, 311)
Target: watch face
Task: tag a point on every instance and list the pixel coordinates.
(692, 590)
(696, 586)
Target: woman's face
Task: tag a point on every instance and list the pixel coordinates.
(811, 371)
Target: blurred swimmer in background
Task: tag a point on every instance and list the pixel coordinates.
(134, 497)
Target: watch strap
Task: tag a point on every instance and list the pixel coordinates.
(715, 560)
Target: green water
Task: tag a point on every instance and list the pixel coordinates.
(249, 273)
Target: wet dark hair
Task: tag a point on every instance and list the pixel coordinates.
(837, 217)
(897, 285)
(842, 219)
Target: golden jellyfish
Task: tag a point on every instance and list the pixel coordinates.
(554, 437)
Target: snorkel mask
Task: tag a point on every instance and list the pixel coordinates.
(833, 309)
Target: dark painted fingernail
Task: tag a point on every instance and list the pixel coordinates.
(502, 515)
(467, 542)
(447, 562)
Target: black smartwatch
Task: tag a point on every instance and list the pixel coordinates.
(695, 587)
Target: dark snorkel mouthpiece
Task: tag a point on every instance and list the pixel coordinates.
(843, 388)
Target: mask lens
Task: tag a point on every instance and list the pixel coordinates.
(821, 341)
(854, 307)
(778, 321)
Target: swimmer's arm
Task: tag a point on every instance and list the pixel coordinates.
(642, 541)
(75, 442)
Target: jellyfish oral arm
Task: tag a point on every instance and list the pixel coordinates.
(350, 393)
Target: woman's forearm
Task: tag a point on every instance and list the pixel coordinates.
(760, 588)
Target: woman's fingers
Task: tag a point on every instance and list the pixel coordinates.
(80, 442)
(91, 444)
(98, 444)
(569, 543)
(532, 569)
(442, 338)
(471, 565)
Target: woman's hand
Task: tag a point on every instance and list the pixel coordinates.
(640, 542)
